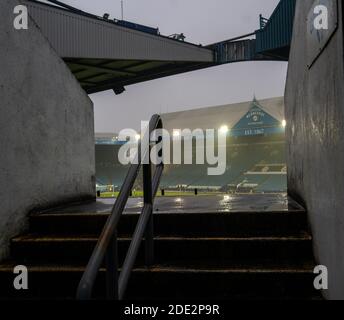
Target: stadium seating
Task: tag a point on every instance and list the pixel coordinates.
(260, 156)
(273, 184)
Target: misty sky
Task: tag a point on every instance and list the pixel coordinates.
(202, 21)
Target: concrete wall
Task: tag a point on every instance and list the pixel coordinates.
(46, 128)
(315, 115)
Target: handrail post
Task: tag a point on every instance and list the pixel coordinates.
(150, 241)
(148, 199)
(111, 261)
(106, 247)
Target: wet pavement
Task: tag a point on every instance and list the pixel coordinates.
(196, 204)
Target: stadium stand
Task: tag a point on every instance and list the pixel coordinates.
(255, 151)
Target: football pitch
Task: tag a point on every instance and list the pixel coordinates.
(139, 194)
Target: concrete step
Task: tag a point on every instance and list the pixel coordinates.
(164, 282)
(179, 250)
(220, 224)
(243, 252)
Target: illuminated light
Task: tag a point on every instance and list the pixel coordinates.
(224, 129)
(176, 133)
(226, 198)
(137, 137)
(284, 123)
(178, 200)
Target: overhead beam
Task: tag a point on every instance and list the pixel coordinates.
(102, 69)
(87, 83)
(239, 50)
(134, 65)
(148, 75)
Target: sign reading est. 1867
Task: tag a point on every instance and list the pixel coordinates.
(322, 22)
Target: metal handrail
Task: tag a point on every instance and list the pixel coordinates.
(106, 246)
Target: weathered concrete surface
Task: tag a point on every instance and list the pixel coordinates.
(315, 115)
(46, 128)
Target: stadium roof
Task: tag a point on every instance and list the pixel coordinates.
(218, 116)
(108, 135)
(105, 53)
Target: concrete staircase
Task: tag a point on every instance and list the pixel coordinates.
(226, 255)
